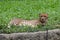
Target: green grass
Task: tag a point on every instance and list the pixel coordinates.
(29, 9)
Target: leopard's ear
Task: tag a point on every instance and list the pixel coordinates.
(46, 15)
(40, 14)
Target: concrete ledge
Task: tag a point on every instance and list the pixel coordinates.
(41, 35)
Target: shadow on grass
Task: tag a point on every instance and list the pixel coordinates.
(16, 29)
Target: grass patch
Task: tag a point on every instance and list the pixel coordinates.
(28, 9)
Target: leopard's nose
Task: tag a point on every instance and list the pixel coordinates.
(42, 19)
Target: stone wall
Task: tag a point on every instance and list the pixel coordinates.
(41, 35)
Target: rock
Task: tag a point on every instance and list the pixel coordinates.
(41, 35)
(4, 37)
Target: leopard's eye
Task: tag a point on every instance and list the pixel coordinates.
(41, 16)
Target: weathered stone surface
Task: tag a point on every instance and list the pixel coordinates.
(4, 36)
(41, 35)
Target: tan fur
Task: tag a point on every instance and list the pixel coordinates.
(33, 23)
